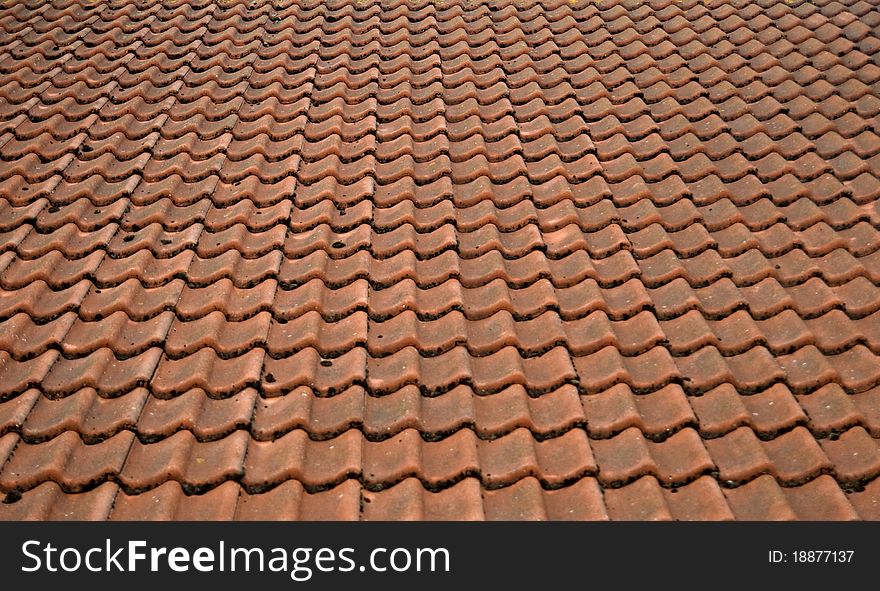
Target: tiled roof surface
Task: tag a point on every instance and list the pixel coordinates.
(436, 259)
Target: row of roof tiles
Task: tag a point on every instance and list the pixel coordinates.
(795, 457)
(644, 499)
(826, 413)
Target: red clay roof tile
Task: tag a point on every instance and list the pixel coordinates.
(395, 261)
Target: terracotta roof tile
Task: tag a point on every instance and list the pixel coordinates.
(65, 460)
(554, 260)
(168, 501)
(49, 502)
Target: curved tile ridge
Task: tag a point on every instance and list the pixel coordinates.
(826, 412)
(260, 465)
(644, 499)
(734, 460)
(783, 333)
(804, 370)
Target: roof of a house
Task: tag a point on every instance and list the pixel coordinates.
(438, 259)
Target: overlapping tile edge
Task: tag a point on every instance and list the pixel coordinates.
(440, 260)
